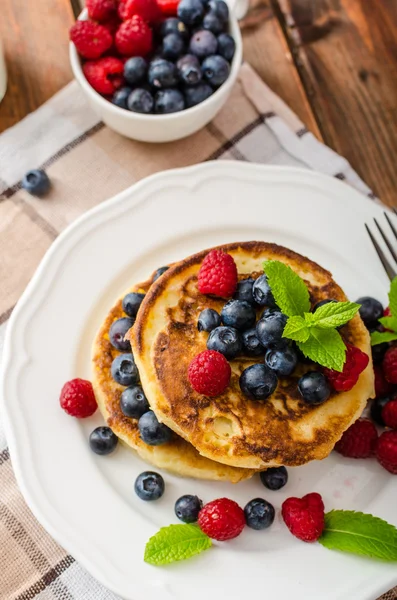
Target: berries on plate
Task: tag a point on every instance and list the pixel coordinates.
(133, 402)
(282, 361)
(304, 517)
(152, 431)
(174, 25)
(101, 10)
(91, 39)
(370, 310)
(377, 409)
(209, 373)
(134, 37)
(226, 46)
(149, 486)
(140, 101)
(135, 69)
(314, 388)
(208, 320)
(251, 344)
(203, 43)
(117, 332)
(382, 386)
(131, 303)
(386, 451)
(359, 440)
(168, 101)
(238, 314)
(389, 365)
(258, 382)
(121, 96)
(103, 441)
(173, 46)
(196, 94)
(389, 414)
(274, 478)
(148, 10)
(378, 352)
(213, 23)
(187, 508)
(259, 514)
(159, 273)
(190, 12)
(225, 340)
(218, 274)
(162, 74)
(77, 398)
(269, 329)
(215, 70)
(36, 182)
(189, 72)
(356, 362)
(221, 519)
(124, 370)
(262, 293)
(105, 75)
(168, 7)
(220, 9)
(244, 290)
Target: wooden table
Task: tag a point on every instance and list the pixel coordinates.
(333, 61)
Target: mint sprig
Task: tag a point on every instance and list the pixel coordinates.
(175, 542)
(378, 337)
(359, 533)
(325, 347)
(288, 289)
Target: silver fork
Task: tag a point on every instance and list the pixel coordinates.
(390, 270)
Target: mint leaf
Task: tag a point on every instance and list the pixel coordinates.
(359, 533)
(289, 290)
(325, 347)
(378, 337)
(175, 542)
(335, 314)
(389, 322)
(296, 329)
(393, 297)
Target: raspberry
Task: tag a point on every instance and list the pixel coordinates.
(356, 362)
(304, 517)
(168, 7)
(221, 519)
(209, 373)
(389, 414)
(147, 9)
(77, 398)
(218, 274)
(105, 75)
(387, 312)
(112, 24)
(134, 37)
(101, 10)
(91, 40)
(382, 387)
(386, 451)
(359, 440)
(390, 365)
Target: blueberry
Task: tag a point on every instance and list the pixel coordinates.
(197, 93)
(225, 340)
(159, 272)
(226, 46)
(103, 440)
(174, 25)
(135, 70)
(208, 320)
(189, 71)
(282, 361)
(322, 303)
(36, 182)
(117, 332)
(152, 431)
(131, 303)
(251, 344)
(213, 23)
(173, 46)
(244, 290)
(187, 508)
(149, 486)
(370, 310)
(168, 101)
(376, 409)
(140, 101)
(259, 514)
(120, 97)
(203, 43)
(190, 11)
(238, 314)
(274, 478)
(378, 352)
(124, 370)
(162, 73)
(314, 387)
(269, 330)
(262, 293)
(133, 402)
(258, 382)
(220, 9)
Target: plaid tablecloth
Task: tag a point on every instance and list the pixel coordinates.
(88, 163)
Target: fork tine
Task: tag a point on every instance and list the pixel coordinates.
(388, 244)
(391, 224)
(394, 210)
(391, 273)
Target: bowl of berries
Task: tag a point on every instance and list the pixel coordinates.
(157, 70)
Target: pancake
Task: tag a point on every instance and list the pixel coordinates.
(282, 430)
(177, 456)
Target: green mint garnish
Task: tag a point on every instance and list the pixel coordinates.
(288, 289)
(325, 347)
(335, 314)
(175, 542)
(378, 337)
(296, 329)
(359, 533)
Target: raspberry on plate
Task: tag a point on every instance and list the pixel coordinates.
(78, 399)
(382, 386)
(304, 517)
(101, 10)
(209, 373)
(168, 7)
(389, 414)
(390, 365)
(386, 451)
(356, 362)
(147, 9)
(221, 519)
(134, 37)
(105, 75)
(359, 440)
(91, 39)
(218, 274)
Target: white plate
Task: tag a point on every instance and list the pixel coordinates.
(87, 502)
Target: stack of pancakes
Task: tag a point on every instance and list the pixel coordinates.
(228, 437)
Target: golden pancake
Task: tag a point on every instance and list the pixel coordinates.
(177, 456)
(282, 430)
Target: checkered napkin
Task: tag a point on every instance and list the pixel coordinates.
(88, 163)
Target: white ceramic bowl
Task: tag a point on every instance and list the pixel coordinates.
(164, 128)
